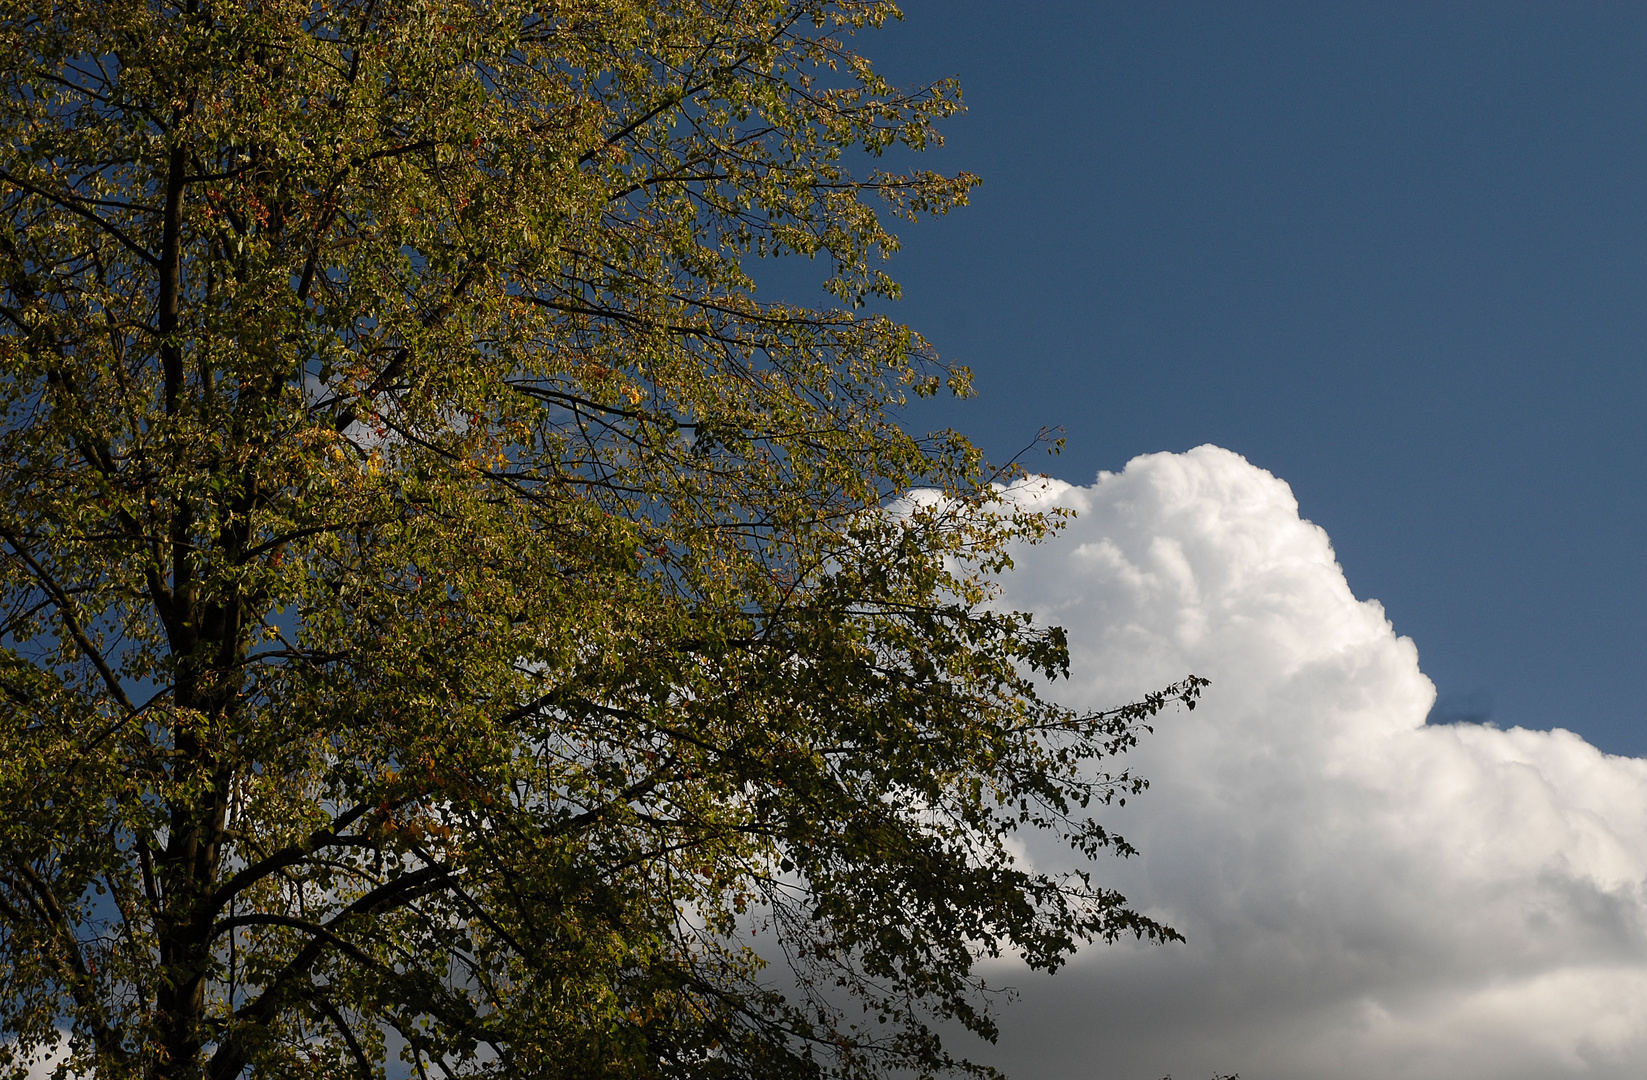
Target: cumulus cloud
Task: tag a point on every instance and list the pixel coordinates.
(1365, 895)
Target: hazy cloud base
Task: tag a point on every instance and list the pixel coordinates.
(1365, 896)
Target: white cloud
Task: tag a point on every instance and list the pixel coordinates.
(1365, 896)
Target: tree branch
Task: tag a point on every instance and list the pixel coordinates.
(72, 207)
(65, 609)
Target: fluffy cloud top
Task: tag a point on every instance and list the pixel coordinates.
(1364, 896)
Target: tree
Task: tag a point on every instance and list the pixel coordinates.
(446, 614)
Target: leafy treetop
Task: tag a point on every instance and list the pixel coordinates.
(443, 612)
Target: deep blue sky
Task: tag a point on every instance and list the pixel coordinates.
(1394, 253)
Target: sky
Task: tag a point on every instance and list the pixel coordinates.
(1342, 310)
(1394, 253)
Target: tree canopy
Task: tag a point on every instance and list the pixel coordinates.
(449, 625)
